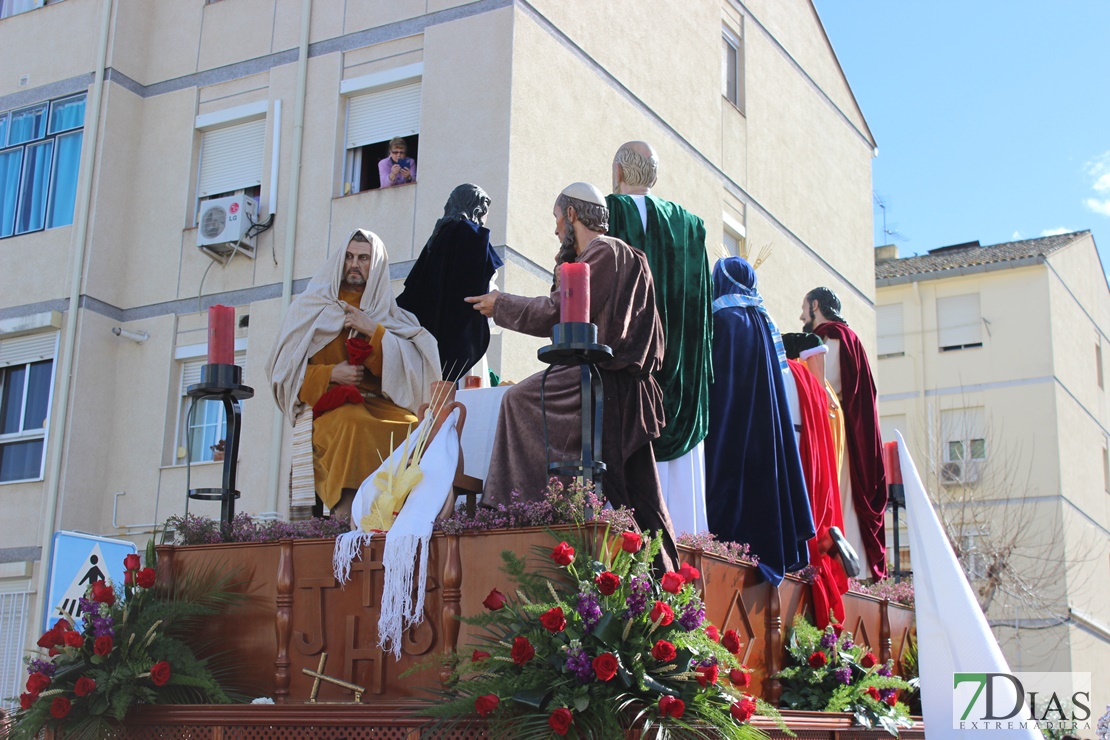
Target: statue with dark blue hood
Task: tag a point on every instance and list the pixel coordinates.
(457, 261)
(755, 489)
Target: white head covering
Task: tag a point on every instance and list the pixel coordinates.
(584, 192)
(410, 355)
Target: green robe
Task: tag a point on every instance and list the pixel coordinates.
(675, 249)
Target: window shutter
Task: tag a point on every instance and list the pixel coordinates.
(383, 114)
(29, 348)
(890, 332)
(958, 321)
(14, 608)
(190, 370)
(231, 158)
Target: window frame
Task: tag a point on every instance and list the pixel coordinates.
(186, 357)
(734, 228)
(895, 344)
(732, 39)
(398, 78)
(23, 434)
(223, 120)
(45, 135)
(961, 331)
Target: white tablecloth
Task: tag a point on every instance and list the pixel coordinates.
(482, 406)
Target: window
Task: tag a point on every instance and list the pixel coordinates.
(1105, 468)
(15, 7)
(26, 380)
(959, 325)
(732, 67)
(733, 235)
(890, 331)
(1098, 360)
(231, 159)
(963, 432)
(14, 608)
(374, 119)
(200, 436)
(40, 154)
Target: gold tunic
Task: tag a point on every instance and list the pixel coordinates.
(349, 442)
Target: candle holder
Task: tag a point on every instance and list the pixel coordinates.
(575, 343)
(222, 382)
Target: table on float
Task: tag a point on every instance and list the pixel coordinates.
(482, 407)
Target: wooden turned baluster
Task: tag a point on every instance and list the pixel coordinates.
(283, 622)
(452, 597)
(772, 689)
(884, 631)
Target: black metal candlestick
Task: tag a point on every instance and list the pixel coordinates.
(225, 383)
(575, 343)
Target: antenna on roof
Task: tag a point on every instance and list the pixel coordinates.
(890, 233)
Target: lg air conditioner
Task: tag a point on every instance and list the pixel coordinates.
(959, 473)
(223, 227)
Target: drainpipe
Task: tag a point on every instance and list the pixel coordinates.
(69, 341)
(291, 235)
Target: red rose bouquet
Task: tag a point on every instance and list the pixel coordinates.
(591, 643)
(122, 647)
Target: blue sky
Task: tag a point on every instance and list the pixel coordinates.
(992, 117)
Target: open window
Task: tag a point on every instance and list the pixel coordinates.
(383, 110)
(26, 387)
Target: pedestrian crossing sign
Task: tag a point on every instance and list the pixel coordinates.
(79, 560)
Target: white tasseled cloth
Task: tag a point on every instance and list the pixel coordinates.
(406, 543)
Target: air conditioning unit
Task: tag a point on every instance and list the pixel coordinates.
(959, 473)
(222, 227)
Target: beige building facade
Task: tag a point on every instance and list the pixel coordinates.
(117, 145)
(991, 364)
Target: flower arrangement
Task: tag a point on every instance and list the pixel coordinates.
(128, 650)
(831, 673)
(190, 529)
(898, 592)
(594, 644)
(561, 504)
(733, 552)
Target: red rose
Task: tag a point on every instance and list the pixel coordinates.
(689, 572)
(553, 620)
(560, 720)
(84, 686)
(873, 693)
(129, 578)
(672, 582)
(74, 639)
(713, 633)
(707, 674)
(563, 554)
(868, 660)
(731, 642)
(669, 706)
(663, 651)
(145, 577)
(160, 673)
(631, 542)
(55, 635)
(131, 562)
(818, 659)
(485, 705)
(662, 613)
(103, 593)
(37, 683)
(740, 678)
(743, 710)
(891, 699)
(60, 707)
(495, 600)
(102, 645)
(605, 666)
(607, 583)
(26, 700)
(522, 651)
(478, 655)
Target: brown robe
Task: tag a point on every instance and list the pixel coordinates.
(623, 307)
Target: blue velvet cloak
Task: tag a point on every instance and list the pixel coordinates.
(755, 490)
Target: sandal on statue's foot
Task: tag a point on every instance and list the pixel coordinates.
(848, 556)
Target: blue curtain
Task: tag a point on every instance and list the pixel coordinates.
(38, 395)
(28, 125)
(32, 191)
(9, 188)
(67, 114)
(21, 460)
(11, 407)
(63, 186)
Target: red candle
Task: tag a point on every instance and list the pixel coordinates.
(892, 463)
(574, 292)
(221, 335)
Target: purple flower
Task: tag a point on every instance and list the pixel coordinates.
(844, 675)
(885, 671)
(87, 606)
(639, 590)
(828, 640)
(580, 664)
(692, 615)
(102, 626)
(41, 666)
(884, 694)
(847, 644)
(589, 609)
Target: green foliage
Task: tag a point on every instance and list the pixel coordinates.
(830, 673)
(575, 628)
(136, 646)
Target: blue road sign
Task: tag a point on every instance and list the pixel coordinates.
(79, 560)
